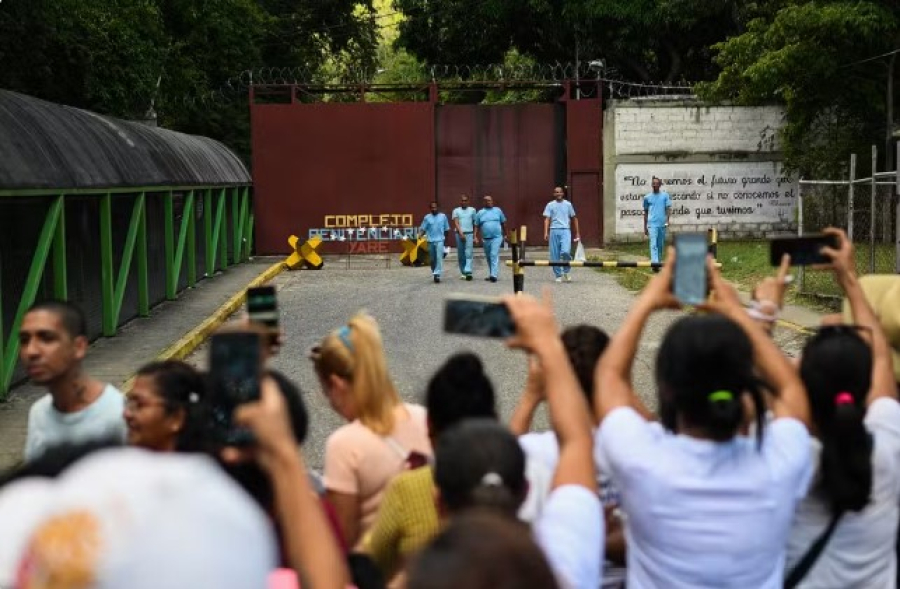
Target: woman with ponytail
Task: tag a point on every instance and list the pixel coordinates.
(845, 530)
(704, 506)
(384, 435)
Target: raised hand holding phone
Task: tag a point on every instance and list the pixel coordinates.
(235, 368)
(690, 284)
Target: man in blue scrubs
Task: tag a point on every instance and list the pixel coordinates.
(491, 222)
(434, 225)
(559, 215)
(464, 223)
(657, 209)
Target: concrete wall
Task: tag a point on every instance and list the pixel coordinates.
(720, 164)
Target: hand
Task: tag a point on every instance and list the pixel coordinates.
(770, 291)
(461, 235)
(658, 292)
(725, 298)
(646, 233)
(577, 237)
(535, 323)
(534, 384)
(271, 427)
(843, 262)
(546, 237)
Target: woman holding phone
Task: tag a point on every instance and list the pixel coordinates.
(704, 506)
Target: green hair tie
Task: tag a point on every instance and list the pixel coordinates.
(720, 396)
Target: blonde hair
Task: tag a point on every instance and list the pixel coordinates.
(355, 352)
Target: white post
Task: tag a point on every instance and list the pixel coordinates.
(850, 198)
(872, 210)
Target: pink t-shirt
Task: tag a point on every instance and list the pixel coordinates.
(360, 462)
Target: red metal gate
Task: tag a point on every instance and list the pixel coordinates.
(361, 175)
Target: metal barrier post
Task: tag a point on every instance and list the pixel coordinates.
(872, 211)
(517, 270)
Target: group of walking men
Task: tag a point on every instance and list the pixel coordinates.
(488, 226)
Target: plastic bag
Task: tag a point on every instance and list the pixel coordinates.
(579, 253)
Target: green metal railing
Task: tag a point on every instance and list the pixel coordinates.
(52, 243)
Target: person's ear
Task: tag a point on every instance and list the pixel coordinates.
(177, 420)
(81, 346)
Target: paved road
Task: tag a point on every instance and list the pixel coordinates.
(408, 307)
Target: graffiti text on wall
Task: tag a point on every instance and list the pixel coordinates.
(714, 194)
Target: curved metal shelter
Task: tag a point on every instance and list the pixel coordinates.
(112, 215)
(46, 145)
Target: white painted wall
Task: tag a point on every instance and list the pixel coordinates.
(724, 163)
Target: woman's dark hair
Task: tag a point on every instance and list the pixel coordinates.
(704, 368)
(53, 461)
(836, 369)
(479, 463)
(482, 550)
(584, 345)
(181, 388)
(459, 390)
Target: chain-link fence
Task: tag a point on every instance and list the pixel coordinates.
(867, 208)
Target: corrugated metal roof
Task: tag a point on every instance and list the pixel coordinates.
(47, 145)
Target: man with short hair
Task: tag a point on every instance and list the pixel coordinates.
(52, 345)
(492, 223)
(464, 222)
(657, 210)
(559, 216)
(434, 226)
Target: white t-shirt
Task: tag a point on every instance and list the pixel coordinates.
(48, 427)
(862, 550)
(570, 532)
(702, 513)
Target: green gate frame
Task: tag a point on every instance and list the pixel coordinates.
(52, 243)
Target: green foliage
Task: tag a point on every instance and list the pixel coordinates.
(804, 56)
(649, 40)
(109, 55)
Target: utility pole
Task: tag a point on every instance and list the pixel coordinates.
(889, 114)
(577, 66)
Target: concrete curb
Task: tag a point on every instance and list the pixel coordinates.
(184, 346)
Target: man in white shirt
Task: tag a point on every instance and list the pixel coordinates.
(52, 345)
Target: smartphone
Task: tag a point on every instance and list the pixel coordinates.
(478, 316)
(804, 251)
(262, 308)
(235, 366)
(690, 284)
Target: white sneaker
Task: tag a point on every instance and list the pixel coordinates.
(567, 278)
(559, 279)
(462, 276)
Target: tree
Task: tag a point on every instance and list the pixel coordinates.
(813, 57)
(648, 40)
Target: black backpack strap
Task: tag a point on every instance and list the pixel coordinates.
(812, 554)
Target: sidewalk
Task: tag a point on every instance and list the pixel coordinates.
(173, 330)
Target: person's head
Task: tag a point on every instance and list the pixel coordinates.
(458, 390)
(352, 370)
(559, 193)
(704, 368)
(479, 463)
(464, 200)
(656, 183)
(584, 345)
(481, 550)
(52, 341)
(250, 475)
(433, 207)
(488, 201)
(164, 410)
(836, 368)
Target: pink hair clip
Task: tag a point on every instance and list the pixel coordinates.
(843, 398)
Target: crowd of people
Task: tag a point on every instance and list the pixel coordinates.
(758, 470)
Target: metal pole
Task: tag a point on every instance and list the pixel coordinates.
(60, 274)
(850, 198)
(142, 269)
(801, 273)
(169, 245)
(897, 228)
(872, 211)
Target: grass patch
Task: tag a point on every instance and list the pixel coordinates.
(745, 263)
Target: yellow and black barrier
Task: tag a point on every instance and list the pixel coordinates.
(518, 263)
(305, 256)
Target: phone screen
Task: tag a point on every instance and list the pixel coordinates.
(234, 369)
(262, 306)
(690, 282)
(480, 317)
(804, 251)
